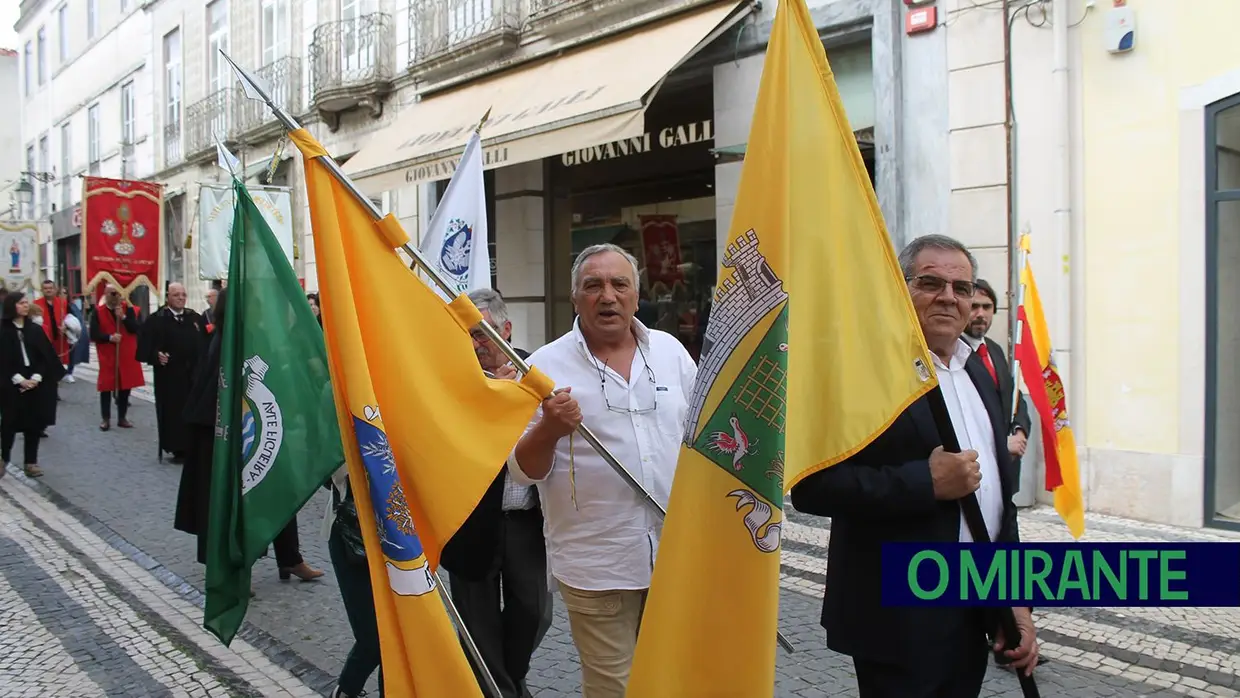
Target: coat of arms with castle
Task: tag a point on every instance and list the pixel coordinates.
(744, 433)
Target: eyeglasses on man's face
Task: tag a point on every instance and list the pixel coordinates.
(929, 283)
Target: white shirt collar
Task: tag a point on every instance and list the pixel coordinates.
(972, 342)
(960, 354)
(639, 331)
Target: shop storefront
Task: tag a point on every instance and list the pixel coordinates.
(591, 146)
(653, 195)
(67, 239)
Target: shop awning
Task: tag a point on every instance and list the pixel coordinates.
(587, 96)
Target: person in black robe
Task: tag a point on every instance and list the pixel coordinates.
(199, 415)
(29, 372)
(193, 510)
(172, 341)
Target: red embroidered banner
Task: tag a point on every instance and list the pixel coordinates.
(661, 245)
(122, 228)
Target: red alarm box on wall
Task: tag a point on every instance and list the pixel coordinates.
(922, 19)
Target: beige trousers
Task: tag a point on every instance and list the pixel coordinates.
(604, 626)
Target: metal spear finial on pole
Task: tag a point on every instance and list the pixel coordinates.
(482, 122)
(256, 90)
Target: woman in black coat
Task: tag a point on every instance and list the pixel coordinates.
(29, 372)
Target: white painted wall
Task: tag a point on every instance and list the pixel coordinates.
(91, 72)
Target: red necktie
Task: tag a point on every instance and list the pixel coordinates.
(984, 352)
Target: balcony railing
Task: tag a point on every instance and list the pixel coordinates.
(172, 144)
(352, 53)
(283, 78)
(207, 118)
(540, 6)
(437, 27)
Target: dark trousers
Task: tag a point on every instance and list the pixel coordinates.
(288, 546)
(122, 405)
(508, 613)
(959, 678)
(353, 578)
(30, 444)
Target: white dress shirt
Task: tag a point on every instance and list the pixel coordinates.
(600, 537)
(971, 422)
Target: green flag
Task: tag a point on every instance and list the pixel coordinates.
(276, 436)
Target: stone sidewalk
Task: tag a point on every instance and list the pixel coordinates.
(112, 484)
(78, 618)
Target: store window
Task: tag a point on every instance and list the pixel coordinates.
(652, 195)
(1222, 505)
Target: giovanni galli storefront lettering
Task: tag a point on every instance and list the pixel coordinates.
(445, 168)
(663, 139)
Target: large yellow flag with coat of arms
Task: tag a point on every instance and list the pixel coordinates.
(807, 358)
(425, 432)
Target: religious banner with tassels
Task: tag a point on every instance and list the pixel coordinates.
(122, 233)
(19, 262)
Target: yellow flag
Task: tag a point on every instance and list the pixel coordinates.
(425, 431)
(807, 358)
(1050, 401)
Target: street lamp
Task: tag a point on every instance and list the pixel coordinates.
(25, 192)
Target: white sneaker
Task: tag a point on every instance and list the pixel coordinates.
(69, 379)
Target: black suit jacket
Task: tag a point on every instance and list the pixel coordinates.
(1006, 384)
(473, 552)
(884, 494)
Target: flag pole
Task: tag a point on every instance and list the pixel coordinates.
(1020, 328)
(972, 511)
(253, 90)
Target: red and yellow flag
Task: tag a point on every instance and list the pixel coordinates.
(1037, 368)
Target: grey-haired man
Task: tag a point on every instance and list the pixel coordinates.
(499, 554)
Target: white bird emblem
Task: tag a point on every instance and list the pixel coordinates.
(737, 443)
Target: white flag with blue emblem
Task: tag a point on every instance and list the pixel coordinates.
(456, 241)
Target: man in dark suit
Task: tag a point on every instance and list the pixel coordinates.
(991, 353)
(499, 553)
(903, 487)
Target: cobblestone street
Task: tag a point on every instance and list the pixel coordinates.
(100, 596)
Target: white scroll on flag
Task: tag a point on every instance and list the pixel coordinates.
(215, 219)
(456, 241)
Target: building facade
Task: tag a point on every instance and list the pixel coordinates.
(11, 151)
(1109, 132)
(621, 121)
(85, 104)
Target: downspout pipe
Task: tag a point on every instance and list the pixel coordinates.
(1070, 311)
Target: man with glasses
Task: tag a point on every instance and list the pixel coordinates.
(904, 487)
(500, 553)
(631, 386)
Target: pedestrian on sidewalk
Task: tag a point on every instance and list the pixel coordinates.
(348, 556)
(114, 329)
(37, 317)
(79, 351)
(27, 395)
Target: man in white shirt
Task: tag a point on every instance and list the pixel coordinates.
(904, 487)
(632, 386)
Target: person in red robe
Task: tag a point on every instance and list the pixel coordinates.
(113, 329)
(55, 310)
